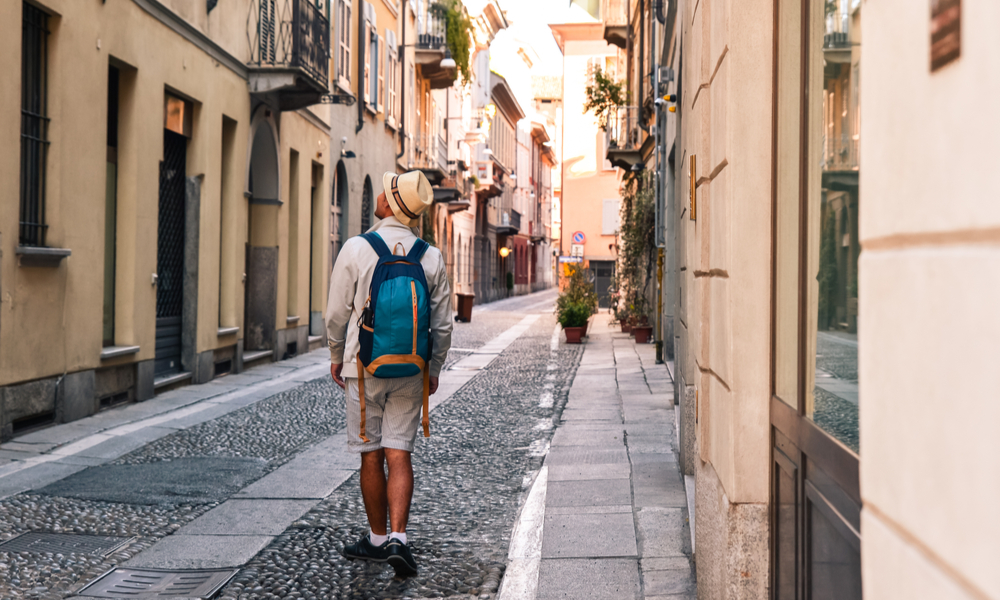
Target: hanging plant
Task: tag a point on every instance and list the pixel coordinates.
(458, 33)
(604, 95)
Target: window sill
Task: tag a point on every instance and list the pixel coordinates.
(344, 85)
(224, 331)
(109, 352)
(392, 8)
(36, 256)
(370, 109)
(291, 320)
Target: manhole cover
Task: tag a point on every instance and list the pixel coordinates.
(64, 543)
(151, 583)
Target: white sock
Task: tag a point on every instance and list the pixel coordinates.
(376, 539)
(399, 536)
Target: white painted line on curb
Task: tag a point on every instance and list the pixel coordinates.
(94, 439)
(520, 581)
(488, 352)
(554, 345)
(545, 401)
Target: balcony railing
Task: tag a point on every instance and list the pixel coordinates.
(290, 34)
(840, 153)
(431, 153)
(624, 132)
(433, 28)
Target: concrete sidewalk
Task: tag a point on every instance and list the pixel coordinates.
(607, 514)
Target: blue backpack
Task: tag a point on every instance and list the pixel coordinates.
(395, 325)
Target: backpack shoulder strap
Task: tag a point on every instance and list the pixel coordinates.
(377, 244)
(417, 251)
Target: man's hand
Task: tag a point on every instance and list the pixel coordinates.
(335, 372)
(433, 386)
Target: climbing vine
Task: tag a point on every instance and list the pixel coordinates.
(636, 244)
(458, 33)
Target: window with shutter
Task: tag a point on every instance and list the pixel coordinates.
(367, 81)
(609, 217)
(380, 69)
(344, 43)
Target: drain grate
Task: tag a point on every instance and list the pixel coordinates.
(64, 543)
(151, 583)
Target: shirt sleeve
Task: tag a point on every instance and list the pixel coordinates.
(440, 317)
(340, 304)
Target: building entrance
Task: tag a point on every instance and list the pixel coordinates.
(170, 254)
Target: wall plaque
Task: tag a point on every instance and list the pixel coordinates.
(946, 32)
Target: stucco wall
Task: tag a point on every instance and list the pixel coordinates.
(930, 234)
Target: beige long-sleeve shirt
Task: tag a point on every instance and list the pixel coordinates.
(349, 283)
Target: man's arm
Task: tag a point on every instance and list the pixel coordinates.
(440, 318)
(340, 303)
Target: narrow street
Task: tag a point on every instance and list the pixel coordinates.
(251, 473)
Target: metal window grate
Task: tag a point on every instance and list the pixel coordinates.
(170, 251)
(34, 124)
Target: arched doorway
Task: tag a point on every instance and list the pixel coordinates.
(367, 205)
(261, 287)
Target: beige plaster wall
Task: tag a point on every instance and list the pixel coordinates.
(724, 279)
(52, 317)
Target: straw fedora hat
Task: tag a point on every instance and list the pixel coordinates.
(408, 194)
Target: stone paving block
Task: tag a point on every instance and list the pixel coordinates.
(601, 438)
(296, 483)
(121, 445)
(665, 564)
(211, 412)
(593, 492)
(55, 436)
(571, 455)
(588, 510)
(592, 535)
(661, 429)
(664, 583)
(646, 444)
(36, 477)
(607, 579)
(35, 448)
(17, 454)
(662, 532)
(201, 551)
(248, 517)
(587, 472)
(596, 414)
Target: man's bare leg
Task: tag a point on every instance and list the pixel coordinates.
(373, 489)
(399, 489)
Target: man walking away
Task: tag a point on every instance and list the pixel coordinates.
(387, 290)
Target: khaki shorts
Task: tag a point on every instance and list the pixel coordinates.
(392, 413)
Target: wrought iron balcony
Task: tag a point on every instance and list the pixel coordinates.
(289, 44)
(431, 157)
(625, 137)
(840, 153)
(432, 48)
(510, 223)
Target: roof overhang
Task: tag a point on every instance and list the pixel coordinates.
(577, 32)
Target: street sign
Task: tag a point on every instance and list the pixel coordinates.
(576, 250)
(579, 238)
(570, 259)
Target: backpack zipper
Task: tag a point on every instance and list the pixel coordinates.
(413, 292)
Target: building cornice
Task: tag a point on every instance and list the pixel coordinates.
(189, 32)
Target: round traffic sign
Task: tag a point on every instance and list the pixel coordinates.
(579, 238)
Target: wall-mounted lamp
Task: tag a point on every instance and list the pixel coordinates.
(504, 252)
(448, 62)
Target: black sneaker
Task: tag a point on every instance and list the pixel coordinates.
(399, 556)
(364, 549)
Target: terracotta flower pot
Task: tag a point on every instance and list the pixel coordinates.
(642, 334)
(573, 334)
(626, 327)
(624, 323)
(585, 325)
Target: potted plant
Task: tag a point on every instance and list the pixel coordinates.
(573, 317)
(642, 333)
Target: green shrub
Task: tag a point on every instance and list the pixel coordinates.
(574, 314)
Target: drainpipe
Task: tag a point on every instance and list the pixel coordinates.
(362, 43)
(402, 90)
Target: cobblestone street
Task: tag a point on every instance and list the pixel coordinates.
(250, 472)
